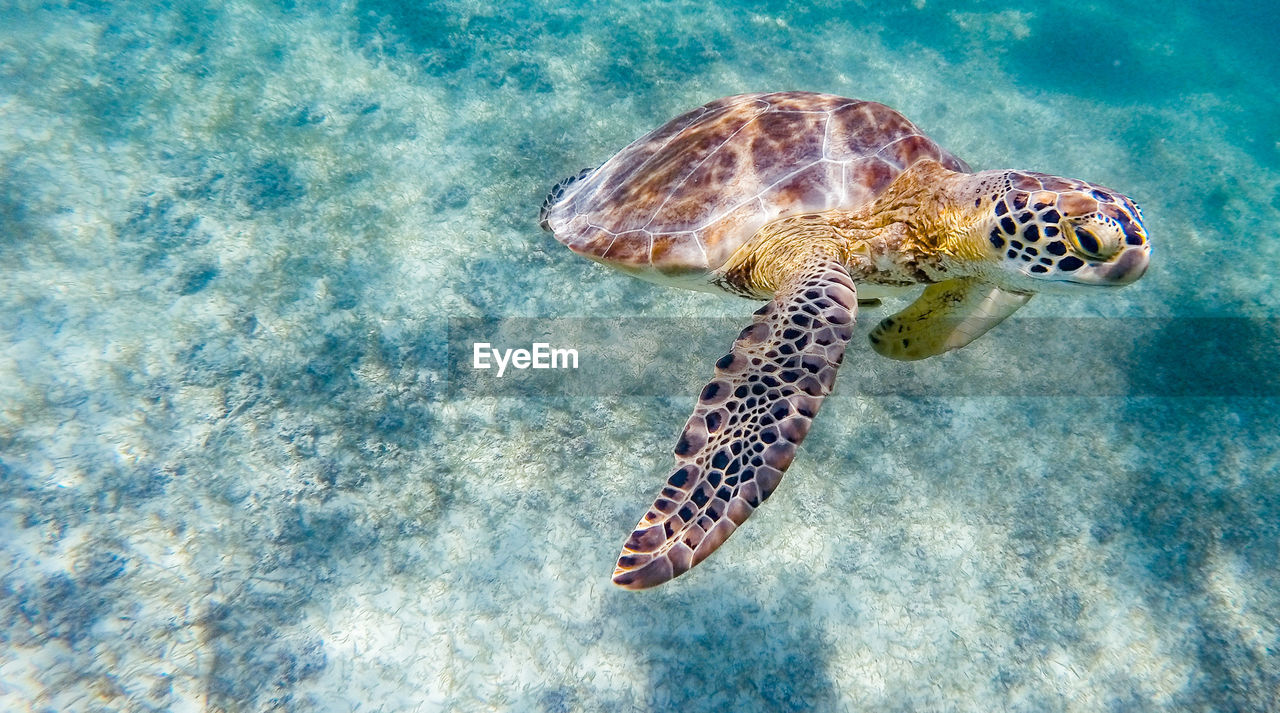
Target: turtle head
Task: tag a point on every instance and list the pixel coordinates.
(1043, 231)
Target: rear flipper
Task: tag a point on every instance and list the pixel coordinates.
(746, 426)
(557, 191)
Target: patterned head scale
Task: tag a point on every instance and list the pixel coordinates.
(1052, 229)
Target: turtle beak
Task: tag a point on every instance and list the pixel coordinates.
(1130, 264)
(1127, 268)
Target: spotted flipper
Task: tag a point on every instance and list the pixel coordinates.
(746, 426)
(947, 316)
(557, 192)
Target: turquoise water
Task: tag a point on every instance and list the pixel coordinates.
(244, 247)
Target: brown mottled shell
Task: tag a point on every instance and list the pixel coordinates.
(682, 198)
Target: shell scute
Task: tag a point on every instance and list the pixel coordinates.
(909, 149)
(675, 249)
(870, 177)
(681, 199)
(817, 188)
(785, 138)
(625, 247)
(860, 129)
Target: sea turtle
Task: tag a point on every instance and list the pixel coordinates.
(797, 197)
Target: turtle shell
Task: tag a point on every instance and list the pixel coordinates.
(679, 201)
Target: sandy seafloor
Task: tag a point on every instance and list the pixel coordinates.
(239, 472)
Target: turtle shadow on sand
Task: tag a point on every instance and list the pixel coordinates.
(715, 648)
(1195, 507)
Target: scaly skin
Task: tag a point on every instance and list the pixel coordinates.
(933, 224)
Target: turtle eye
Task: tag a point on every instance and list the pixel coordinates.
(1090, 244)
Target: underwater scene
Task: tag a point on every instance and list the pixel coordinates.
(253, 456)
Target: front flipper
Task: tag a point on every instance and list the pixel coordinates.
(746, 426)
(946, 316)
